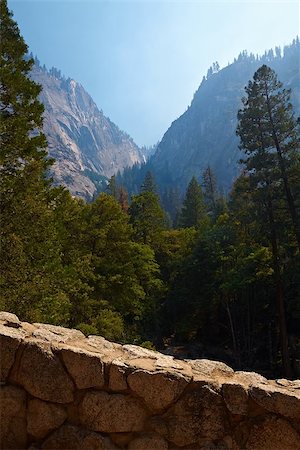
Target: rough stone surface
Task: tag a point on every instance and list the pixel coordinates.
(70, 437)
(199, 413)
(9, 343)
(247, 378)
(277, 399)
(148, 442)
(273, 434)
(53, 333)
(208, 367)
(117, 376)
(61, 390)
(236, 398)
(42, 374)
(85, 144)
(9, 319)
(114, 413)
(43, 417)
(159, 389)
(86, 369)
(13, 432)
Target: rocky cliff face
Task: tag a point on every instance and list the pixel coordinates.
(61, 390)
(87, 146)
(205, 134)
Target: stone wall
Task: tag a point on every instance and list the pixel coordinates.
(61, 390)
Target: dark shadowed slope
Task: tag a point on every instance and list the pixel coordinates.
(205, 134)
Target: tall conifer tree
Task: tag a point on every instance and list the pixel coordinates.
(193, 209)
(270, 136)
(29, 252)
(22, 142)
(149, 184)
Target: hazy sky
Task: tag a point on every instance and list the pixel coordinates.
(142, 61)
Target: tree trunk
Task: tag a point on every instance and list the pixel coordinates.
(284, 176)
(279, 294)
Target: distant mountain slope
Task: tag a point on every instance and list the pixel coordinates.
(87, 146)
(205, 134)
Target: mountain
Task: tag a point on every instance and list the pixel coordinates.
(205, 134)
(86, 145)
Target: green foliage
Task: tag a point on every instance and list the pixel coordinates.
(87, 329)
(21, 111)
(147, 218)
(106, 269)
(54, 310)
(124, 269)
(112, 187)
(269, 137)
(149, 184)
(148, 344)
(174, 247)
(30, 253)
(215, 203)
(193, 209)
(109, 324)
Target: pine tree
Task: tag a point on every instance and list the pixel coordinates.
(210, 188)
(149, 184)
(193, 210)
(269, 135)
(172, 203)
(147, 218)
(125, 272)
(21, 140)
(112, 187)
(30, 254)
(123, 199)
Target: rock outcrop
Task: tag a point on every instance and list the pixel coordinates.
(205, 134)
(86, 145)
(62, 390)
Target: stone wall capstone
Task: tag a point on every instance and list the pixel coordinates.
(62, 390)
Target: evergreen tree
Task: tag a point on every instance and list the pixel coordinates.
(172, 203)
(147, 218)
(30, 254)
(112, 187)
(149, 184)
(269, 135)
(210, 188)
(193, 210)
(123, 199)
(21, 111)
(125, 272)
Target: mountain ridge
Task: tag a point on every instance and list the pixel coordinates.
(86, 145)
(205, 133)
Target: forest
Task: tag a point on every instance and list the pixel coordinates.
(213, 277)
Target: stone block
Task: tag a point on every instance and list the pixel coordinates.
(277, 400)
(158, 389)
(197, 414)
(13, 434)
(85, 368)
(148, 441)
(271, 434)
(111, 413)
(43, 417)
(41, 373)
(236, 398)
(70, 437)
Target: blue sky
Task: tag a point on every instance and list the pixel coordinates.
(142, 61)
